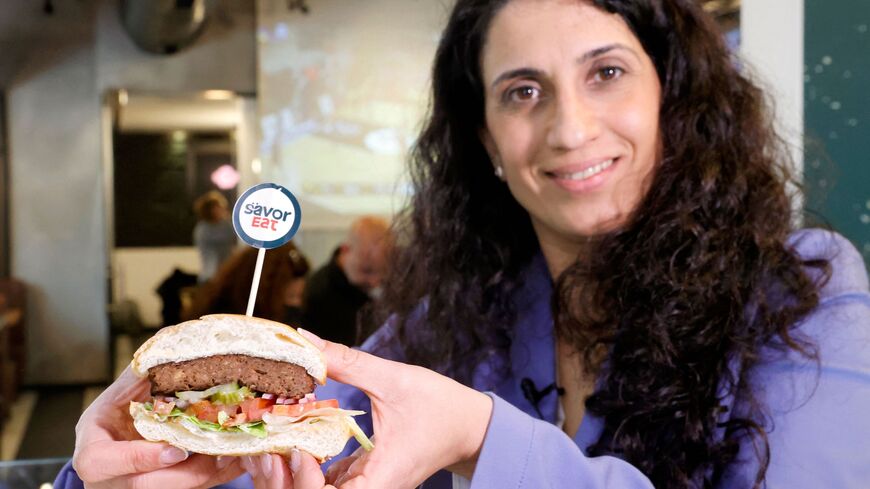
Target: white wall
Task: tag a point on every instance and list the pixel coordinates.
(58, 225)
(772, 43)
(56, 230)
(137, 272)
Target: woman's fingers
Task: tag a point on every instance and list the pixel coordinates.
(127, 387)
(253, 465)
(306, 472)
(273, 472)
(354, 367)
(199, 471)
(338, 468)
(105, 460)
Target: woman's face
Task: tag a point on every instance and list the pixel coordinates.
(572, 107)
(218, 212)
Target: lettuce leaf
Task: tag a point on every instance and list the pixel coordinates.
(256, 428)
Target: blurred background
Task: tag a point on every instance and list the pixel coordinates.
(116, 115)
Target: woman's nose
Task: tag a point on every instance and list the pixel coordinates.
(573, 123)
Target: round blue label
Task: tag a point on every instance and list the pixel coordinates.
(266, 216)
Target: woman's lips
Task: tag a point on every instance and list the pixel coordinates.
(585, 179)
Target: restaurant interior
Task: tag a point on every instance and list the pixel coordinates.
(115, 115)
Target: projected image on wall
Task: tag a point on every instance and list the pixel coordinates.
(343, 89)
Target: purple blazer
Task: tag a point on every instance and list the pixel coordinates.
(818, 426)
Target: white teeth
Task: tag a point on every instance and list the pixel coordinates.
(587, 173)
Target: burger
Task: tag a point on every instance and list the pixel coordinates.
(236, 385)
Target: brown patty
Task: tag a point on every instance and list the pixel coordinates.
(259, 374)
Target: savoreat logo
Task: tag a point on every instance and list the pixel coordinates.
(266, 216)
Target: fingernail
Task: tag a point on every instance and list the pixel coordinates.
(319, 343)
(295, 460)
(223, 461)
(172, 455)
(250, 466)
(266, 462)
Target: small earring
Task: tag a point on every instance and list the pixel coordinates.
(499, 172)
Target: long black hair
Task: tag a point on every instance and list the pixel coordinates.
(672, 297)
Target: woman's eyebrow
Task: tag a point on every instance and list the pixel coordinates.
(594, 53)
(534, 73)
(517, 73)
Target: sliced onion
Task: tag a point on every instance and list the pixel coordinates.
(280, 400)
(182, 404)
(268, 396)
(196, 396)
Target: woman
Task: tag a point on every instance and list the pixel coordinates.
(213, 234)
(600, 238)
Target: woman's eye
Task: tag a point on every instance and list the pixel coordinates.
(523, 94)
(608, 73)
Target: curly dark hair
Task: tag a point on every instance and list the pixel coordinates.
(683, 289)
(228, 290)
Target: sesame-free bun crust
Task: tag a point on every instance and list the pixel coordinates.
(323, 439)
(229, 334)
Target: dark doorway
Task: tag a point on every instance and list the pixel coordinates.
(158, 175)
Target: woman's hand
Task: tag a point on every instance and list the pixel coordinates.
(423, 421)
(273, 472)
(110, 453)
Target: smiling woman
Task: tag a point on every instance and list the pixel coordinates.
(599, 240)
(574, 129)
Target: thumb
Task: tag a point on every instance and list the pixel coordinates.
(109, 459)
(306, 471)
(125, 388)
(355, 367)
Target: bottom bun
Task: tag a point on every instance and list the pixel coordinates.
(324, 439)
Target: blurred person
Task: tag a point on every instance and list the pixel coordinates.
(278, 295)
(293, 301)
(172, 291)
(213, 235)
(337, 292)
(8, 315)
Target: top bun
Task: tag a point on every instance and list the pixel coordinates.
(229, 334)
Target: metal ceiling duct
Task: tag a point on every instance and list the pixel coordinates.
(164, 26)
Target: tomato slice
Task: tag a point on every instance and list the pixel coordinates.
(255, 407)
(295, 410)
(205, 411)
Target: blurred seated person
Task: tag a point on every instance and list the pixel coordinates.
(337, 292)
(9, 316)
(172, 292)
(213, 235)
(279, 296)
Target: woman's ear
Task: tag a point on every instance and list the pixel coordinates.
(489, 146)
(492, 151)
